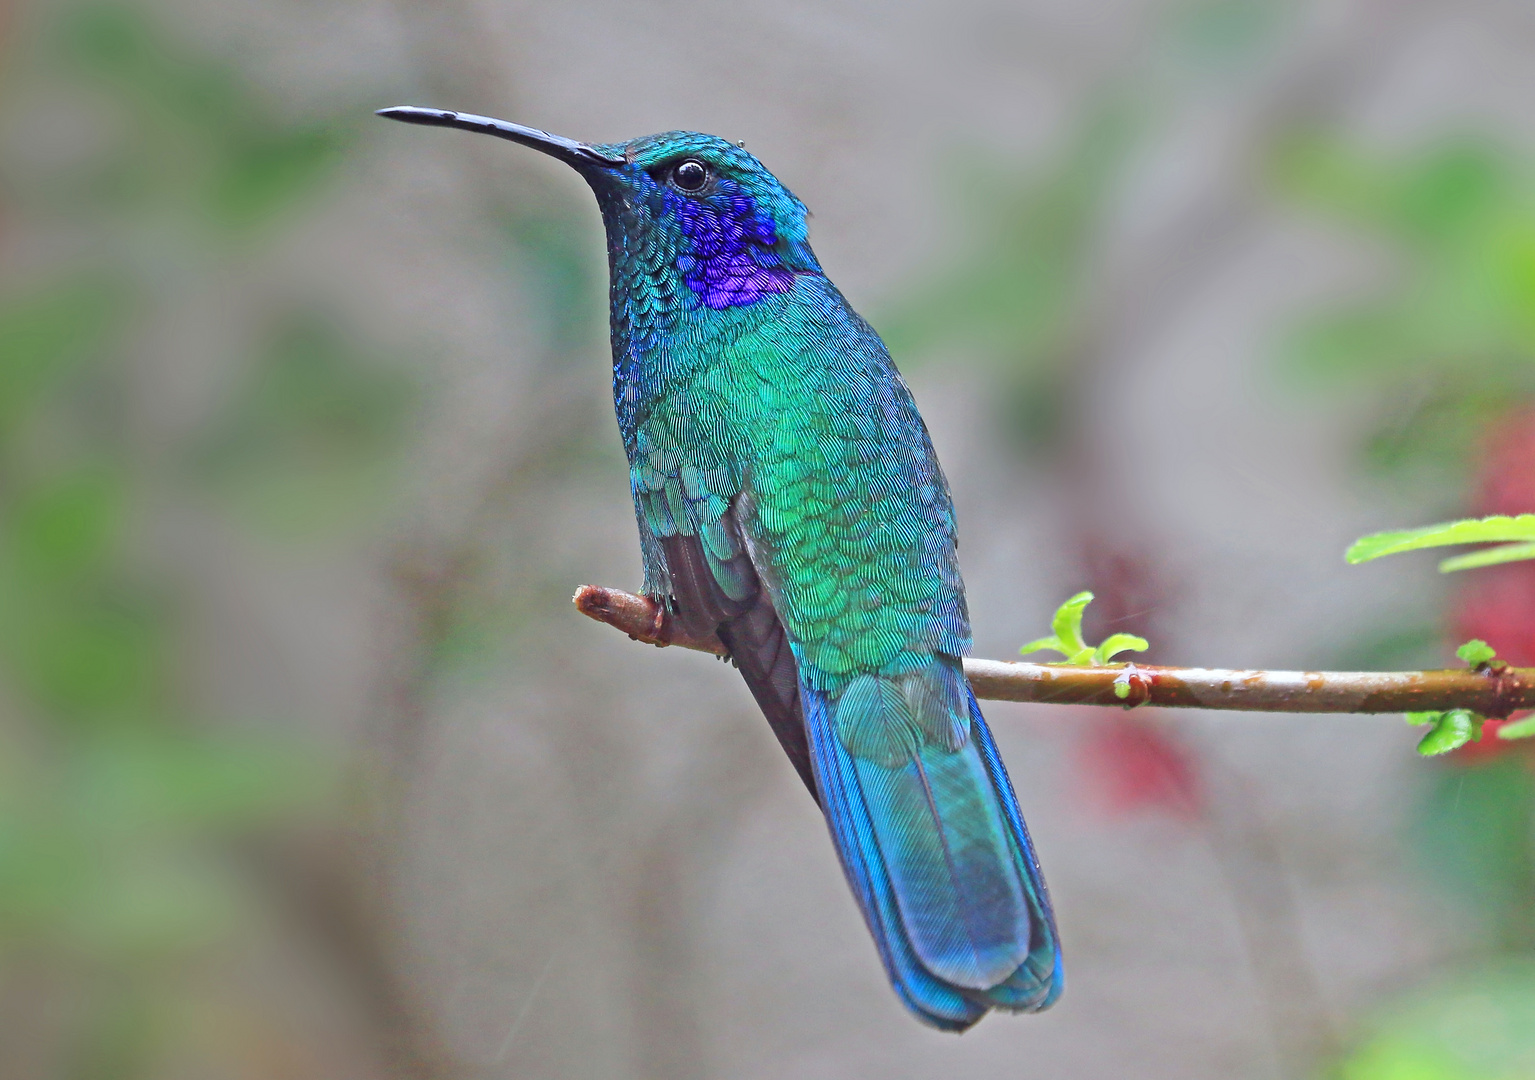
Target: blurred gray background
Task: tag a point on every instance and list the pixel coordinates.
(309, 769)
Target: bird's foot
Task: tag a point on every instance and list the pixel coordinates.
(661, 622)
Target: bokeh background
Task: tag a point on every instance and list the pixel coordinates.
(309, 770)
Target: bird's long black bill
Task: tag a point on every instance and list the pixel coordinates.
(567, 150)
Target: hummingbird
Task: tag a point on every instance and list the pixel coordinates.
(790, 502)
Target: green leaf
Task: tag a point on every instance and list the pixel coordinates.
(1068, 641)
(1453, 729)
(1118, 643)
(1476, 652)
(1519, 729)
(1469, 531)
(1067, 623)
(1504, 553)
(1052, 643)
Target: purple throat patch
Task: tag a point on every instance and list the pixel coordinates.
(729, 258)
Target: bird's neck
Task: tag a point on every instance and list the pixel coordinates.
(679, 265)
(655, 359)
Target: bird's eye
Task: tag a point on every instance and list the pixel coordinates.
(690, 175)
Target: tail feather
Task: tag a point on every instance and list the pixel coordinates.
(934, 1001)
(1039, 980)
(935, 848)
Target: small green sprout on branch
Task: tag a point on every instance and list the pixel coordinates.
(1451, 729)
(1514, 538)
(1068, 641)
(1067, 638)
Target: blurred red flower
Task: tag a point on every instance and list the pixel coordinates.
(1129, 765)
(1498, 604)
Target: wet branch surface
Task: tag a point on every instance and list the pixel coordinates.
(1494, 693)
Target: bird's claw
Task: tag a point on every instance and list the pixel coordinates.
(660, 630)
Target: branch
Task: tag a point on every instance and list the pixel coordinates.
(1491, 692)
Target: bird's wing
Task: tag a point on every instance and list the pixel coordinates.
(744, 619)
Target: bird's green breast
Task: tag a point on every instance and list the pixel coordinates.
(791, 412)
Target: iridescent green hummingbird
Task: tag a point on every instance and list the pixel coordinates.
(789, 501)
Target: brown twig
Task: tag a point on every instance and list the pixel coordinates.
(1489, 692)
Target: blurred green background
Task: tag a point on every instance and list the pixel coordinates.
(307, 769)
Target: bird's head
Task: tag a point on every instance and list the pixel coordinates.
(693, 221)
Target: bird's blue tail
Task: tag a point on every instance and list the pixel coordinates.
(933, 844)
